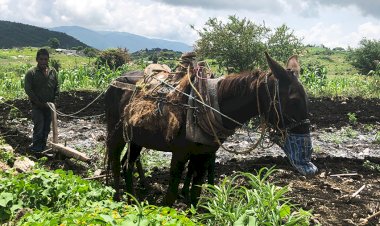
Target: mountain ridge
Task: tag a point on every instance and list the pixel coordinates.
(115, 39)
(14, 34)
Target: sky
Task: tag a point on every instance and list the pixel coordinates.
(333, 23)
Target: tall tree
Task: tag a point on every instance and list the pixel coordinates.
(239, 44)
(283, 43)
(54, 43)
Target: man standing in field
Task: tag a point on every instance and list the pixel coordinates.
(41, 86)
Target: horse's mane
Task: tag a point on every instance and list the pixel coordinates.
(238, 84)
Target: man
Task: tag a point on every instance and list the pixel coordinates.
(41, 86)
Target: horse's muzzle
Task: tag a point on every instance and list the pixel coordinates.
(298, 148)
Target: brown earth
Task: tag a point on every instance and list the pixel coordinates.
(327, 194)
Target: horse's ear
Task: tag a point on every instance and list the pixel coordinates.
(294, 65)
(276, 68)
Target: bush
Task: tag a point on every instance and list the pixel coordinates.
(114, 58)
(365, 58)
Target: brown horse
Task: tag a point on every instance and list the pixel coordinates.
(278, 96)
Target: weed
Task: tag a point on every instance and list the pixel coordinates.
(352, 118)
(371, 166)
(377, 138)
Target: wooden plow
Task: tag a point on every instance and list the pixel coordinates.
(60, 148)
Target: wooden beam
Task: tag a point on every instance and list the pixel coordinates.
(70, 152)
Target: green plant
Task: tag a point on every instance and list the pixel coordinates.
(114, 58)
(377, 138)
(371, 166)
(352, 118)
(56, 64)
(366, 57)
(246, 199)
(314, 76)
(56, 190)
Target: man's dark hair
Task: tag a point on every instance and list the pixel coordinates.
(42, 52)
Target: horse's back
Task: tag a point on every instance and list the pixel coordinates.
(131, 77)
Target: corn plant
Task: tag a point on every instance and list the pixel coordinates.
(246, 199)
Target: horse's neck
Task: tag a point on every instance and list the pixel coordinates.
(241, 107)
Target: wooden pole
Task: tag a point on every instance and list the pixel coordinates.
(68, 151)
(54, 122)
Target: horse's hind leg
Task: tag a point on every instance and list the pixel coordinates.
(176, 168)
(205, 162)
(128, 167)
(115, 145)
(191, 169)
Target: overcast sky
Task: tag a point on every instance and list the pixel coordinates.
(330, 22)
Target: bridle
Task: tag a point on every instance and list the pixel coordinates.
(276, 101)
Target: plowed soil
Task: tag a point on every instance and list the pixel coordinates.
(347, 153)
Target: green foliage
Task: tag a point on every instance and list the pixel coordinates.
(377, 138)
(54, 43)
(246, 199)
(114, 58)
(314, 76)
(283, 43)
(56, 190)
(59, 197)
(371, 166)
(55, 64)
(239, 44)
(366, 57)
(352, 118)
(90, 52)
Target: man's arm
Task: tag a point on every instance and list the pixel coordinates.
(29, 90)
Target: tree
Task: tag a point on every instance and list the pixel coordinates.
(236, 45)
(114, 58)
(283, 43)
(54, 43)
(366, 57)
(240, 44)
(90, 52)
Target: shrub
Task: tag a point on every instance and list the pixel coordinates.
(366, 57)
(114, 58)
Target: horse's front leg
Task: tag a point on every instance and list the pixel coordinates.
(176, 168)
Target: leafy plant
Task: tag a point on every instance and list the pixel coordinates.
(246, 199)
(377, 138)
(352, 118)
(314, 76)
(371, 166)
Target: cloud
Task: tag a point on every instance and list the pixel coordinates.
(257, 5)
(367, 7)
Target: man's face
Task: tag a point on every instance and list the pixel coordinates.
(42, 61)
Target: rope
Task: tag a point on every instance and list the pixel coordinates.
(75, 113)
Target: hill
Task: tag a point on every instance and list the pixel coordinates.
(108, 39)
(20, 35)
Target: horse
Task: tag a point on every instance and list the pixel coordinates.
(276, 95)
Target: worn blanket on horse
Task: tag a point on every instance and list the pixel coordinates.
(162, 104)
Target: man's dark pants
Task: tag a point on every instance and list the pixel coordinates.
(41, 119)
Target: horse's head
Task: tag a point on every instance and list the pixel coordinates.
(287, 112)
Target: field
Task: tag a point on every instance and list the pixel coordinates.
(346, 135)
